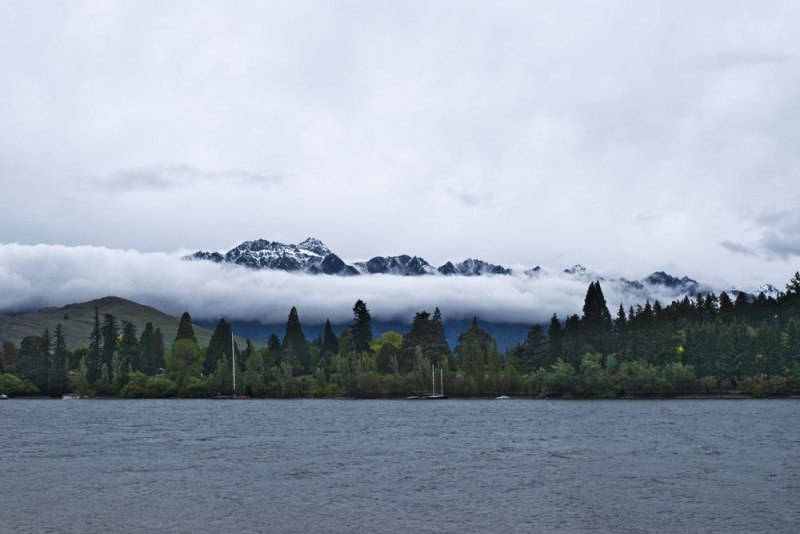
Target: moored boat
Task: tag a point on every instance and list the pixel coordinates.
(434, 395)
(220, 396)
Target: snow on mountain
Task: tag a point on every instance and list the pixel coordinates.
(263, 254)
(535, 272)
(472, 267)
(684, 285)
(403, 265)
(313, 257)
(770, 291)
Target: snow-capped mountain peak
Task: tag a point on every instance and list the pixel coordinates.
(312, 257)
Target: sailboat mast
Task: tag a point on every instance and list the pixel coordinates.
(441, 380)
(433, 380)
(233, 359)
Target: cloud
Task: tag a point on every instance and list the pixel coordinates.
(778, 236)
(46, 275)
(738, 248)
(522, 132)
(165, 177)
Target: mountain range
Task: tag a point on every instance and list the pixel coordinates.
(313, 257)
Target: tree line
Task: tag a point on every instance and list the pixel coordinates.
(706, 345)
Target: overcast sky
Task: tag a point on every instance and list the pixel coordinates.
(629, 136)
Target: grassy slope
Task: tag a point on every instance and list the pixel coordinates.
(77, 321)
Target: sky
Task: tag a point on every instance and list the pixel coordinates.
(627, 136)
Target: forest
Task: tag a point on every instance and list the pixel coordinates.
(709, 345)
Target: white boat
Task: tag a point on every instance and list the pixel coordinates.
(434, 395)
(3, 396)
(233, 365)
(502, 397)
(70, 396)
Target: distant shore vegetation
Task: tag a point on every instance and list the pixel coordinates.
(710, 345)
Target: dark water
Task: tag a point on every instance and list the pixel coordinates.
(400, 466)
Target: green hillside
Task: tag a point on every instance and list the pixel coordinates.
(77, 321)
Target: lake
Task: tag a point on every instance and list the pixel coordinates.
(458, 466)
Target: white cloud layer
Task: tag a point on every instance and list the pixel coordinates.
(36, 276)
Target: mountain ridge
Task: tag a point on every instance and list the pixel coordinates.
(312, 256)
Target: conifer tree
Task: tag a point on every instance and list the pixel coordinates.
(129, 353)
(109, 331)
(95, 356)
(361, 330)
(273, 352)
(219, 344)
(555, 339)
(330, 343)
(149, 356)
(57, 372)
(185, 328)
(294, 345)
(534, 351)
(427, 333)
(596, 320)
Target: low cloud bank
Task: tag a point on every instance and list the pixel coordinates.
(32, 277)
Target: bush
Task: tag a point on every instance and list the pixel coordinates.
(13, 385)
(134, 389)
(160, 388)
(196, 388)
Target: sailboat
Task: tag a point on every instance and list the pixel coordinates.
(434, 395)
(233, 365)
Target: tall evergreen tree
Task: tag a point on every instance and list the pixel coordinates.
(95, 356)
(361, 329)
(110, 333)
(555, 339)
(129, 353)
(57, 372)
(149, 356)
(185, 328)
(427, 333)
(220, 343)
(330, 345)
(272, 356)
(473, 362)
(534, 353)
(596, 321)
(295, 345)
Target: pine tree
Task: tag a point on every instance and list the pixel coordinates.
(471, 362)
(534, 351)
(330, 345)
(596, 321)
(555, 339)
(95, 357)
(295, 345)
(109, 331)
(185, 328)
(361, 329)
(129, 352)
(219, 344)
(427, 333)
(147, 351)
(57, 372)
(273, 353)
